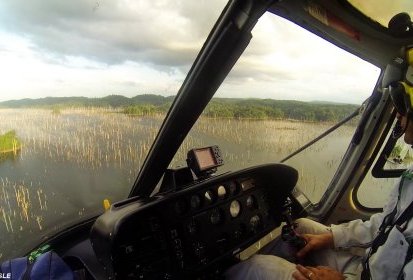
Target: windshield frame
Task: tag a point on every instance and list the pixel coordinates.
(224, 45)
(377, 17)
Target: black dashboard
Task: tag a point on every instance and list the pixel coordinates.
(191, 232)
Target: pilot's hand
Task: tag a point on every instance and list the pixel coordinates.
(316, 273)
(316, 242)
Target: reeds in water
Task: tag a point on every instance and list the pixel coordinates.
(103, 138)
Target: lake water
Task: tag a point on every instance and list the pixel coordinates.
(73, 160)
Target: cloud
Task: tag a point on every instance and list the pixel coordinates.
(95, 48)
(161, 33)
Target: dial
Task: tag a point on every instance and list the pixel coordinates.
(233, 188)
(195, 201)
(222, 192)
(235, 208)
(216, 216)
(251, 202)
(255, 223)
(210, 197)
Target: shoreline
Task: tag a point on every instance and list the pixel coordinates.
(14, 150)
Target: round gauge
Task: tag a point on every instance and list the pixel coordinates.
(235, 208)
(222, 192)
(216, 217)
(210, 197)
(251, 202)
(233, 188)
(255, 222)
(195, 201)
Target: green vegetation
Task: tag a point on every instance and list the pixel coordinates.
(396, 151)
(56, 110)
(9, 142)
(277, 109)
(398, 154)
(258, 109)
(142, 110)
(237, 108)
(114, 101)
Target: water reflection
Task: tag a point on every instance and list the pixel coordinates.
(68, 164)
(9, 156)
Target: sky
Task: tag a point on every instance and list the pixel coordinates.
(96, 48)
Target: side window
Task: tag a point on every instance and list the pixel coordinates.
(374, 192)
(392, 160)
(319, 162)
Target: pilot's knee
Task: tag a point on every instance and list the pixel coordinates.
(261, 267)
(303, 225)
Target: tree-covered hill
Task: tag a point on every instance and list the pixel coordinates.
(278, 109)
(108, 101)
(149, 104)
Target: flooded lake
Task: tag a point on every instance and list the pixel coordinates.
(72, 160)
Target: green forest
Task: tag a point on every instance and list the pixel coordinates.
(278, 109)
(238, 108)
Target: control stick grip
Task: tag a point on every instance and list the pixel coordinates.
(288, 233)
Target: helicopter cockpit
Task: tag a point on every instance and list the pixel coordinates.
(195, 219)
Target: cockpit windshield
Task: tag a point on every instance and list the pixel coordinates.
(86, 85)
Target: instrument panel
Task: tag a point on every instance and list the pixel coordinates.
(192, 232)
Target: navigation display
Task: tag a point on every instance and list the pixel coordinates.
(204, 161)
(205, 158)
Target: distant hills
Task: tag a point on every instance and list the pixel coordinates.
(149, 104)
(108, 101)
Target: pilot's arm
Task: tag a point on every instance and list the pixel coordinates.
(361, 234)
